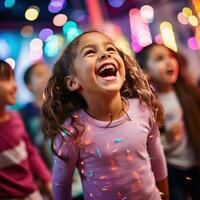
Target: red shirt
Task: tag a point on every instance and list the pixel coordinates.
(19, 160)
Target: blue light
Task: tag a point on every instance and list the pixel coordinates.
(9, 3)
(68, 25)
(116, 3)
(73, 33)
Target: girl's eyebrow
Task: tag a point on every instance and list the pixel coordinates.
(87, 46)
(92, 45)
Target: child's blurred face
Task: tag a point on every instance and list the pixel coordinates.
(8, 90)
(98, 65)
(38, 80)
(162, 66)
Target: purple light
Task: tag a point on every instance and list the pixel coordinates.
(56, 6)
(192, 43)
(45, 33)
(116, 3)
(78, 15)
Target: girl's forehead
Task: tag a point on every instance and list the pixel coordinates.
(158, 50)
(93, 38)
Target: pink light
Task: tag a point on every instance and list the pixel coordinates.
(136, 47)
(158, 39)
(95, 13)
(59, 20)
(134, 11)
(192, 43)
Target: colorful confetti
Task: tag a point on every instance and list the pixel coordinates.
(65, 133)
(91, 173)
(98, 152)
(118, 140)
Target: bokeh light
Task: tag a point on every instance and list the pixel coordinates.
(116, 3)
(158, 39)
(9, 3)
(198, 14)
(192, 43)
(45, 33)
(187, 11)
(168, 35)
(11, 62)
(56, 6)
(27, 31)
(59, 20)
(36, 55)
(73, 33)
(193, 21)
(36, 44)
(78, 15)
(182, 18)
(53, 45)
(147, 12)
(140, 32)
(4, 49)
(32, 13)
(68, 25)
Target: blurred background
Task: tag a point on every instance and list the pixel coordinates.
(32, 30)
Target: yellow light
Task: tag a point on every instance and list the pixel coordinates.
(165, 25)
(187, 11)
(198, 15)
(168, 35)
(197, 34)
(32, 13)
(193, 21)
(196, 4)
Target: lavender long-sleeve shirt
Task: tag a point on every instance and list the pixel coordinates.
(122, 161)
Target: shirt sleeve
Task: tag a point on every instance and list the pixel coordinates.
(63, 170)
(37, 165)
(156, 153)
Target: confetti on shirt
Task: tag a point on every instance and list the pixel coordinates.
(118, 140)
(98, 152)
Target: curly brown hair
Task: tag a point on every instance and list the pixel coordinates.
(60, 103)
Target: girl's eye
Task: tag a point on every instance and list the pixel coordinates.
(89, 52)
(159, 58)
(111, 49)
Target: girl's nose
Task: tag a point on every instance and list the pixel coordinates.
(14, 85)
(167, 60)
(104, 55)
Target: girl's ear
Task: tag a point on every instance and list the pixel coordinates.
(72, 83)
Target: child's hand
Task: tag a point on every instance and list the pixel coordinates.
(48, 187)
(175, 133)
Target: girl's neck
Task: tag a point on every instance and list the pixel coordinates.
(4, 116)
(104, 109)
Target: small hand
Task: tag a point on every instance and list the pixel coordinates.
(48, 187)
(175, 133)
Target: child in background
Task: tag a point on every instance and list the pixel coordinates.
(181, 132)
(101, 115)
(19, 160)
(35, 78)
